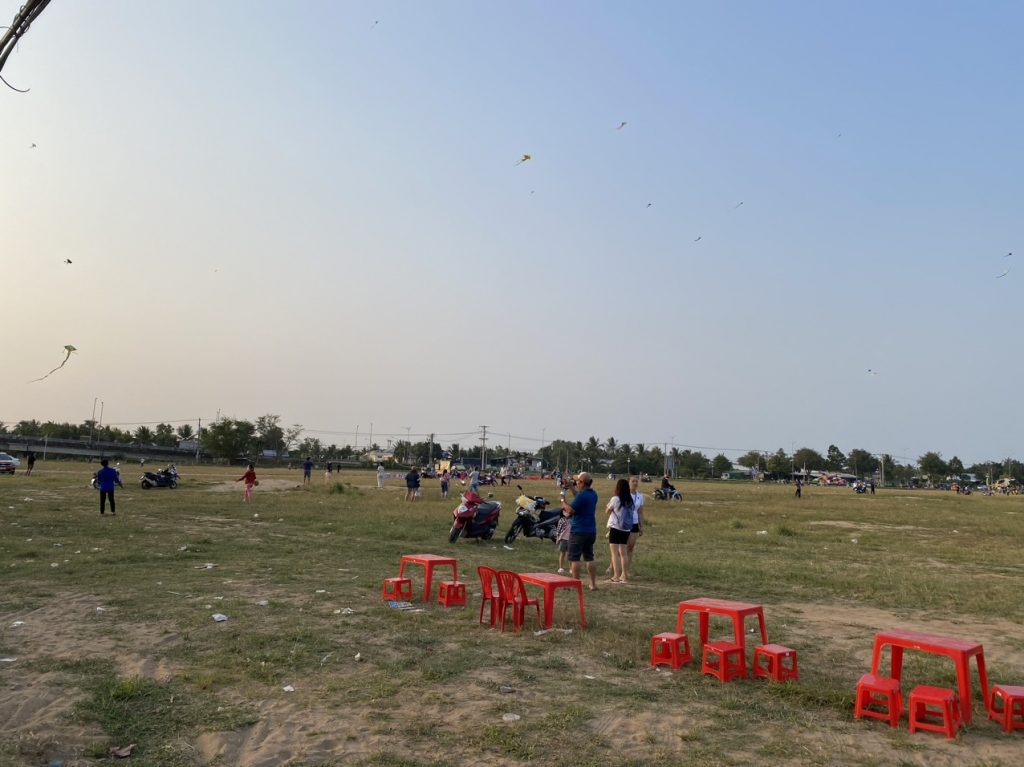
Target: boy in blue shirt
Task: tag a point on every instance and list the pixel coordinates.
(583, 527)
(106, 478)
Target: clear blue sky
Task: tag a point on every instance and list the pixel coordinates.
(290, 208)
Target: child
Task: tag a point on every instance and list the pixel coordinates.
(562, 541)
(250, 481)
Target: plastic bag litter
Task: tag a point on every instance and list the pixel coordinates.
(122, 753)
(510, 717)
(220, 617)
(288, 688)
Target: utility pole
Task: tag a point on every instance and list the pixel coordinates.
(357, 438)
(199, 437)
(483, 448)
(430, 451)
(370, 444)
(92, 430)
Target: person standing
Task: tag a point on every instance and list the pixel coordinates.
(562, 532)
(583, 528)
(412, 484)
(446, 479)
(380, 476)
(31, 463)
(474, 481)
(620, 523)
(638, 522)
(799, 487)
(307, 470)
(329, 474)
(106, 478)
(249, 478)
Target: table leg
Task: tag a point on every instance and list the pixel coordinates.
(764, 629)
(963, 680)
(680, 616)
(876, 657)
(704, 618)
(401, 568)
(428, 576)
(896, 662)
(583, 619)
(980, 658)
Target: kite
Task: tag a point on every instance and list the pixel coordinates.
(1008, 254)
(650, 204)
(736, 205)
(699, 238)
(523, 159)
(67, 260)
(69, 349)
(33, 146)
(872, 372)
(621, 126)
(1004, 273)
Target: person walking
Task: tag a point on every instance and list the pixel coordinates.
(249, 478)
(446, 479)
(380, 476)
(412, 484)
(583, 528)
(31, 463)
(620, 522)
(307, 470)
(106, 478)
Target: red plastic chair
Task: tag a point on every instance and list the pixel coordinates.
(513, 594)
(489, 592)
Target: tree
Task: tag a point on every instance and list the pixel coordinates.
(291, 436)
(592, 451)
(955, 467)
(750, 459)
(144, 435)
(185, 432)
(778, 462)
(29, 429)
(932, 465)
(861, 462)
(269, 434)
(806, 458)
(834, 459)
(692, 463)
(228, 438)
(720, 464)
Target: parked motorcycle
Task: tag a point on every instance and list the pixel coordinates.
(164, 478)
(666, 494)
(533, 518)
(474, 518)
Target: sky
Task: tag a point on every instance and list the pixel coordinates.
(315, 210)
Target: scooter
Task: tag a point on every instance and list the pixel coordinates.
(164, 478)
(666, 494)
(528, 522)
(474, 518)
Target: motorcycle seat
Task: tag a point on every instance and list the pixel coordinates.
(550, 514)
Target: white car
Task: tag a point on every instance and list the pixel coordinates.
(8, 463)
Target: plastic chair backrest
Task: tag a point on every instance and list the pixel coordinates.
(488, 577)
(511, 586)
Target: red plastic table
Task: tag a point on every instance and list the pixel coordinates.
(958, 650)
(549, 582)
(738, 611)
(429, 562)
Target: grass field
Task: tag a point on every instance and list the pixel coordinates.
(117, 644)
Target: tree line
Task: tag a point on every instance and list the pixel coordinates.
(230, 438)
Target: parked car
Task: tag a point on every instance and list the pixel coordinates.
(8, 463)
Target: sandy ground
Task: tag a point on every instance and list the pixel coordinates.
(307, 727)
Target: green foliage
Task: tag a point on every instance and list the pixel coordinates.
(933, 466)
(835, 460)
(806, 458)
(720, 464)
(228, 439)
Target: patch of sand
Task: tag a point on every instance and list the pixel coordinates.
(273, 485)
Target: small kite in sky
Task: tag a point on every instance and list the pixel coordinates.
(872, 372)
(736, 205)
(33, 146)
(1004, 273)
(68, 349)
(523, 159)
(1008, 254)
(650, 204)
(699, 238)
(839, 135)
(67, 260)
(621, 126)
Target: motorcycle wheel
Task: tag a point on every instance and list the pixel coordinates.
(146, 484)
(454, 534)
(172, 484)
(513, 532)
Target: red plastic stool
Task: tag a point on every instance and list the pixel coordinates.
(451, 594)
(668, 649)
(879, 691)
(1011, 713)
(730, 663)
(776, 669)
(397, 589)
(928, 702)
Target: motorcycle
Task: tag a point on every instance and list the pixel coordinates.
(474, 518)
(527, 521)
(666, 494)
(164, 478)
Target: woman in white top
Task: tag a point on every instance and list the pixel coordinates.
(620, 522)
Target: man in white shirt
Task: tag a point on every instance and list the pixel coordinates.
(380, 476)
